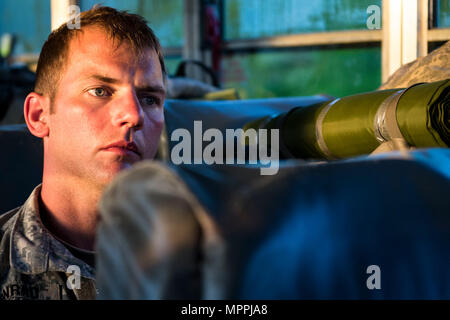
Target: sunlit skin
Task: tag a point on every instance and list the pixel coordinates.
(106, 96)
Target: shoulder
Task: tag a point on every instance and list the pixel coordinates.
(7, 219)
(6, 224)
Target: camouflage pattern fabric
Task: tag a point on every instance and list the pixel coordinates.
(34, 265)
(156, 241)
(433, 67)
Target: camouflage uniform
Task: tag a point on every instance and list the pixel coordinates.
(431, 68)
(33, 264)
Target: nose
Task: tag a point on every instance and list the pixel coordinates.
(128, 111)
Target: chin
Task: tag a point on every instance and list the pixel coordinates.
(108, 175)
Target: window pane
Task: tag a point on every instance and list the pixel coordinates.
(443, 13)
(28, 20)
(337, 72)
(260, 18)
(172, 64)
(165, 17)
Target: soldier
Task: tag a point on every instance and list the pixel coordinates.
(98, 106)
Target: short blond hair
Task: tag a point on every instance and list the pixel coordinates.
(119, 25)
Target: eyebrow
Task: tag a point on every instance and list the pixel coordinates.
(103, 79)
(147, 88)
(155, 89)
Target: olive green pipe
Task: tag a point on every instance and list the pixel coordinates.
(347, 127)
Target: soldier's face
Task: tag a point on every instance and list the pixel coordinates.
(108, 109)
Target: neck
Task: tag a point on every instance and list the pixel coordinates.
(69, 210)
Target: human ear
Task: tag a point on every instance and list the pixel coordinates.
(35, 111)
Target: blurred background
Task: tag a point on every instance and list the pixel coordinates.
(263, 48)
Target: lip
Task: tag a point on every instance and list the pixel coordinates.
(123, 148)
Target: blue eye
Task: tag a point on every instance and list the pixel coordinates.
(98, 92)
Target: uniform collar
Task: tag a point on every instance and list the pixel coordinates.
(34, 250)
